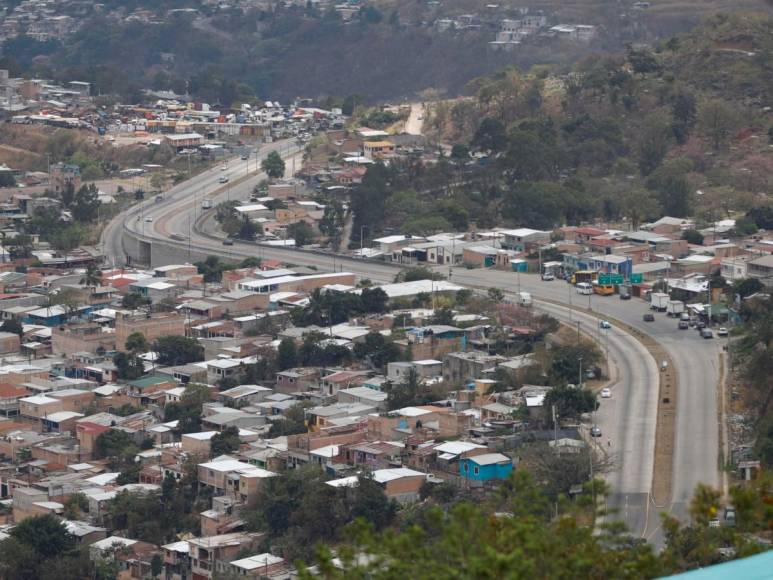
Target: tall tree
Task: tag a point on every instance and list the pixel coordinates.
(273, 165)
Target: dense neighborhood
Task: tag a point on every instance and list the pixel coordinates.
(516, 329)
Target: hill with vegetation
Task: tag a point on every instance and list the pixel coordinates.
(389, 49)
(621, 137)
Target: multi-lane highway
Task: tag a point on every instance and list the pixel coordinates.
(628, 419)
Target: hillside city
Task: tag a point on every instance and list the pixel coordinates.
(510, 319)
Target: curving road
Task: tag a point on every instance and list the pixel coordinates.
(627, 420)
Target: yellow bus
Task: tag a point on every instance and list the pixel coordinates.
(603, 289)
(588, 276)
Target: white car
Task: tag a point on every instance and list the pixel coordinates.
(722, 331)
(604, 324)
(148, 219)
(606, 393)
(548, 277)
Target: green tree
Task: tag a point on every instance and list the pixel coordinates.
(225, 442)
(188, 410)
(490, 135)
(653, 142)
(45, 534)
(136, 342)
(301, 232)
(717, 120)
(405, 393)
(129, 367)
(374, 300)
(287, 354)
(75, 506)
(212, 269)
(693, 237)
(567, 360)
(684, 109)
(377, 349)
(747, 287)
(92, 277)
(114, 444)
(571, 402)
(134, 300)
(291, 423)
(85, 207)
(177, 350)
(495, 294)
(273, 165)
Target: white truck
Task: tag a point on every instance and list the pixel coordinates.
(524, 299)
(675, 308)
(659, 301)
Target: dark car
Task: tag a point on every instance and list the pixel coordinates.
(228, 242)
(684, 325)
(648, 318)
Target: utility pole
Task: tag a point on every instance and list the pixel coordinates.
(579, 358)
(578, 332)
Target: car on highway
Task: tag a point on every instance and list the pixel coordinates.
(700, 325)
(722, 331)
(228, 242)
(148, 219)
(595, 431)
(223, 167)
(684, 325)
(685, 316)
(604, 324)
(223, 179)
(245, 157)
(707, 333)
(606, 393)
(648, 317)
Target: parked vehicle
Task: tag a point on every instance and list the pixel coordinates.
(685, 316)
(684, 325)
(674, 307)
(547, 277)
(707, 333)
(524, 299)
(730, 515)
(606, 393)
(648, 317)
(722, 331)
(659, 301)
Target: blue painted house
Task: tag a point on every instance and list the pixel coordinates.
(486, 467)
